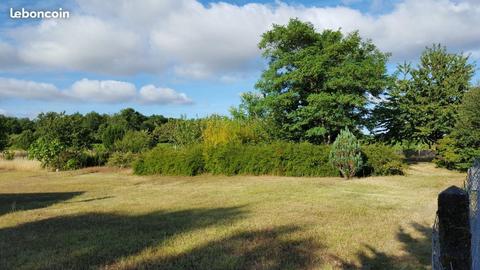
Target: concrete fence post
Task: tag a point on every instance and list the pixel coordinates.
(454, 229)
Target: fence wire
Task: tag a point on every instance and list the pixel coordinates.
(472, 186)
(436, 264)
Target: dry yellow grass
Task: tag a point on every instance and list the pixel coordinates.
(111, 220)
(20, 164)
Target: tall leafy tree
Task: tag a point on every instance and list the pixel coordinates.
(422, 104)
(316, 84)
(462, 146)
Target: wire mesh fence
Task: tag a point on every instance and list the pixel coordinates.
(472, 186)
(436, 264)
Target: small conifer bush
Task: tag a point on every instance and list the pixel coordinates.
(345, 154)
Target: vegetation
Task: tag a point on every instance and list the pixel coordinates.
(345, 154)
(93, 218)
(316, 85)
(8, 155)
(421, 106)
(169, 160)
(462, 146)
(380, 159)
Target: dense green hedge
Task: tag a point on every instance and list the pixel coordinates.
(279, 158)
(382, 159)
(168, 160)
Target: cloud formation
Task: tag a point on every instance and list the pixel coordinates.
(217, 40)
(92, 91)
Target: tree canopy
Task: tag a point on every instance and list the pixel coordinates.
(423, 102)
(316, 84)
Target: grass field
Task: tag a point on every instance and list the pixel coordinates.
(96, 218)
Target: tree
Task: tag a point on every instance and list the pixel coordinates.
(129, 119)
(316, 83)
(69, 130)
(422, 104)
(3, 134)
(110, 134)
(346, 155)
(134, 141)
(459, 149)
(48, 152)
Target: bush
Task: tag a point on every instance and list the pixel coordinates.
(186, 132)
(280, 158)
(121, 159)
(133, 141)
(110, 134)
(381, 159)
(48, 152)
(8, 155)
(221, 130)
(170, 160)
(345, 154)
(22, 140)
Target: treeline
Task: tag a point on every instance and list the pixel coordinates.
(316, 86)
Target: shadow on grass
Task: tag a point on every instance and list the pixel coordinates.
(95, 240)
(260, 250)
(10, 202)
(416, 252)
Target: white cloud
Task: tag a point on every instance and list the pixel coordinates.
(3, 112)
(29, 90)
(92, 91)
(102, 91)
(220, 39)
(149, 94)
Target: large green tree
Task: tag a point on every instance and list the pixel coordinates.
(462, 146)
(316, 84)
(423, 102)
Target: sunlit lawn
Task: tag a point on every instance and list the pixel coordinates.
(113, 220)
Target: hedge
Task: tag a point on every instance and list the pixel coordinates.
(282, 158)
(168, 160)
(382, 159)
(279, 158)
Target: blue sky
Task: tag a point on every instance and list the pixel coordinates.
(189, 57)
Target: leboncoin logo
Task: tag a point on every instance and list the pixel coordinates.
(39, 14)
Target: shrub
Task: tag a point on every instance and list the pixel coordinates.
(221, 130)
(306, 159)
(345, 154)
(186, 132)
(170, 160)
(110, 134)
(133, 141)
(121, 159)
(280, 158)
(99, 155)
(381, 159)
(8, 155)
(23, 140)
(47, 152)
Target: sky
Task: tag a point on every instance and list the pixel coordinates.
(191, 57)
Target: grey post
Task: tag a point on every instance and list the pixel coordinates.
(454, 229)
